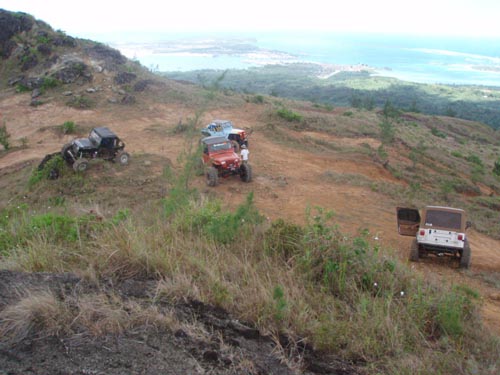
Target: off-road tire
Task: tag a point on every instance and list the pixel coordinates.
(414, 255)
(212, 176)
(246, 172)
(65, 155)
(236, 146)
(80, 165)
(465, 256)
(122, 157)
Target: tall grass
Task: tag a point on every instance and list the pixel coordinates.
(342, 295)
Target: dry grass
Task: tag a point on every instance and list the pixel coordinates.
(41, 314)
(36, 313)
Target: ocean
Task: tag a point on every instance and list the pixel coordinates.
(422, 59)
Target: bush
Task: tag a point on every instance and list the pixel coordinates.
(387, 131)
(474, 159)
(283, 239)
(289, 115)
(49, 83)
(46, 172)
(68, 127)
(438, 133)
(4, 137)
(496, 168)
(80, 102)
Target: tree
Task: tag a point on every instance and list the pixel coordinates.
(389, 110)
(387, 131)
(4, 137)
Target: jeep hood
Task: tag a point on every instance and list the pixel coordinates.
(83, 143)
(228, 158)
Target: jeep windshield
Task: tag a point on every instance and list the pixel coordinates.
(223, 146)
(95, 138)
(443, 219)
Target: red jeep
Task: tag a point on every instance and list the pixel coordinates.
(220, 160)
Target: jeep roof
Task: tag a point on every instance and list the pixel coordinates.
(218, 144)
(433, 217)
(221, 122)
(104, 132)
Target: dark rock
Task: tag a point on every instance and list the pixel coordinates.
(64, 41)
(73, 71)
(32, 83)
(128, 99)
(10, 24)
(36, 93)
(211, 356)
(109, 55)
(141, 85)
(35, 103)
(15, 80)
(124, 77)
(44, 49)
(28, 61)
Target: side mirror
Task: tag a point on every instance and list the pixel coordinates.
(468, 225)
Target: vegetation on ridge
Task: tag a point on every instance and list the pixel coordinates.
(359, 90)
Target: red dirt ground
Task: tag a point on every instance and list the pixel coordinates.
(286, 181)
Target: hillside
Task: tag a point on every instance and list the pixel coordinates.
(317, 83)
(127, 269)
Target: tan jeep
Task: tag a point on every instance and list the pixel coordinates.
(438, 230)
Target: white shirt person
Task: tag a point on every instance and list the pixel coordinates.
(244, 154)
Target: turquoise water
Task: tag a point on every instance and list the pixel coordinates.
(411, 58)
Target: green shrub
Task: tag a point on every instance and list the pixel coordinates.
(289, 115)
(387, 131)
(496, 168)
(283, 239)
(80, 102)
(20, 88)
(258, 99)
(474, 159)
(4, 137)
(280, 304)
(68, 127)
(49, 83)
(454, 310)
(54, 164)
(438, 133)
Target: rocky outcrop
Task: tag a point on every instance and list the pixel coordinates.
(124, 77)
(73, 71)
(109, 56)
(10, 25)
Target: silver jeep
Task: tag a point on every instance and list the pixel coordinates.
(439, 231)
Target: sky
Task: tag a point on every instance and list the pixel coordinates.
(424, 17)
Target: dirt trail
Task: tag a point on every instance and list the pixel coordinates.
(286, 180)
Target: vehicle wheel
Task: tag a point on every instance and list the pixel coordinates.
(123, 158)
(65, 154)
(236, 146)
(246, 172)
(465, 256)
(414, 251)
(212, 176)
(80, 165)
